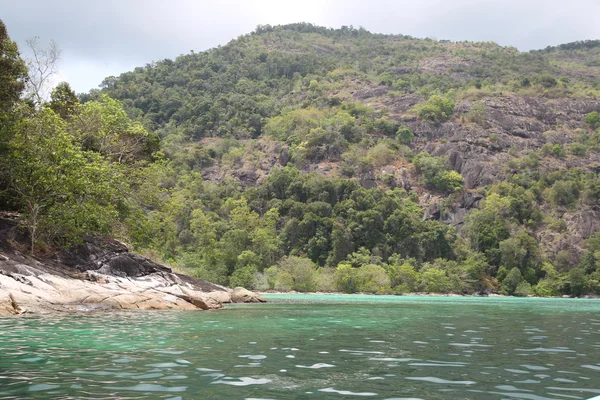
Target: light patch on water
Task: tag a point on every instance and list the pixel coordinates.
(208, 370)
(361, 352)
(594, 367)
(33, 359)
(148, 387)
(388, 359)
(534, 367)
(435, 365)
(549, 350)
(439, 380)
(403, 398)
(418, 342)
(470, 345)
(253, 357)
(516, 371)
(347, 392)
(171, 352)
(512, 388)
(123, 360)
(243, 381)
(164, 365)
(316, 366)
(41, 387)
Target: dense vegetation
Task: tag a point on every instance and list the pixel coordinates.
(305, 158)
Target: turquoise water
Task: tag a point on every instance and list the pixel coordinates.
(312, 347)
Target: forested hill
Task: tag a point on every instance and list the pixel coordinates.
(307, 158)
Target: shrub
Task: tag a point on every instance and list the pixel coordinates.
(435, 173)
(404, 278)
(302, 272)
(558, 150)
(478, 113)
(405, 135)
(577, 149)
(325, 279)
(243, 277)
(523, 289)
(346, 279)
(435, 280)
(593, 119)
(373, 278)
(436, 110)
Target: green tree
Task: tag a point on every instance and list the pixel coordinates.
(373, 278)
(64, 191)
(511, 281)
(63, 100)
(346, 278)
(302, 271)
(12, 72)
(104, 127)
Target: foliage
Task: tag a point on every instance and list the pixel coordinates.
(593, 119)
(227, 193)
(436, 174)
(437, 109)
(12, 72)
(64, 191)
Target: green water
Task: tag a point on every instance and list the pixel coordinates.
(312, 347)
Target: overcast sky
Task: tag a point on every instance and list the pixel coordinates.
(107, 37)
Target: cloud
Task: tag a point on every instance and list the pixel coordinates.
(108, 37)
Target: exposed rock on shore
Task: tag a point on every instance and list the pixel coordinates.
(241, 295)
(98, 274)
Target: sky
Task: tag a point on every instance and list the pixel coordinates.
(108, 37)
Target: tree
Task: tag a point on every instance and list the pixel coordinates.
(302, 271)
(104, 127)
(63, 100)
(63, 190)
(373, 278)
(40, 69)
(346, 279)
(13, 72)
(511, 281)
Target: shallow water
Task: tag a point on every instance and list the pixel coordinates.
(309, 346)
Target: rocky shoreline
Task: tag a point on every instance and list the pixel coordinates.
(99, 274)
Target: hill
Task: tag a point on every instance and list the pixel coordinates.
(302, 157)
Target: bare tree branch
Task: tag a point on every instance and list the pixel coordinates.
(41, 68)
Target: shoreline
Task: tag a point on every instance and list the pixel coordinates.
(427, 294)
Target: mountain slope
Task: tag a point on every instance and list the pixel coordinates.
(496, 145)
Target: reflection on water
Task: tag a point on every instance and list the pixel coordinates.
(301, 346)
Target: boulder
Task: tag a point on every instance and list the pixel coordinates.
(220, 296)
(241, 295)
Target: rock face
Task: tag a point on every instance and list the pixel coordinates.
(241, 295)
(99, 274)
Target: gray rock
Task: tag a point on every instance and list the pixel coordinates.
(241, 295)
